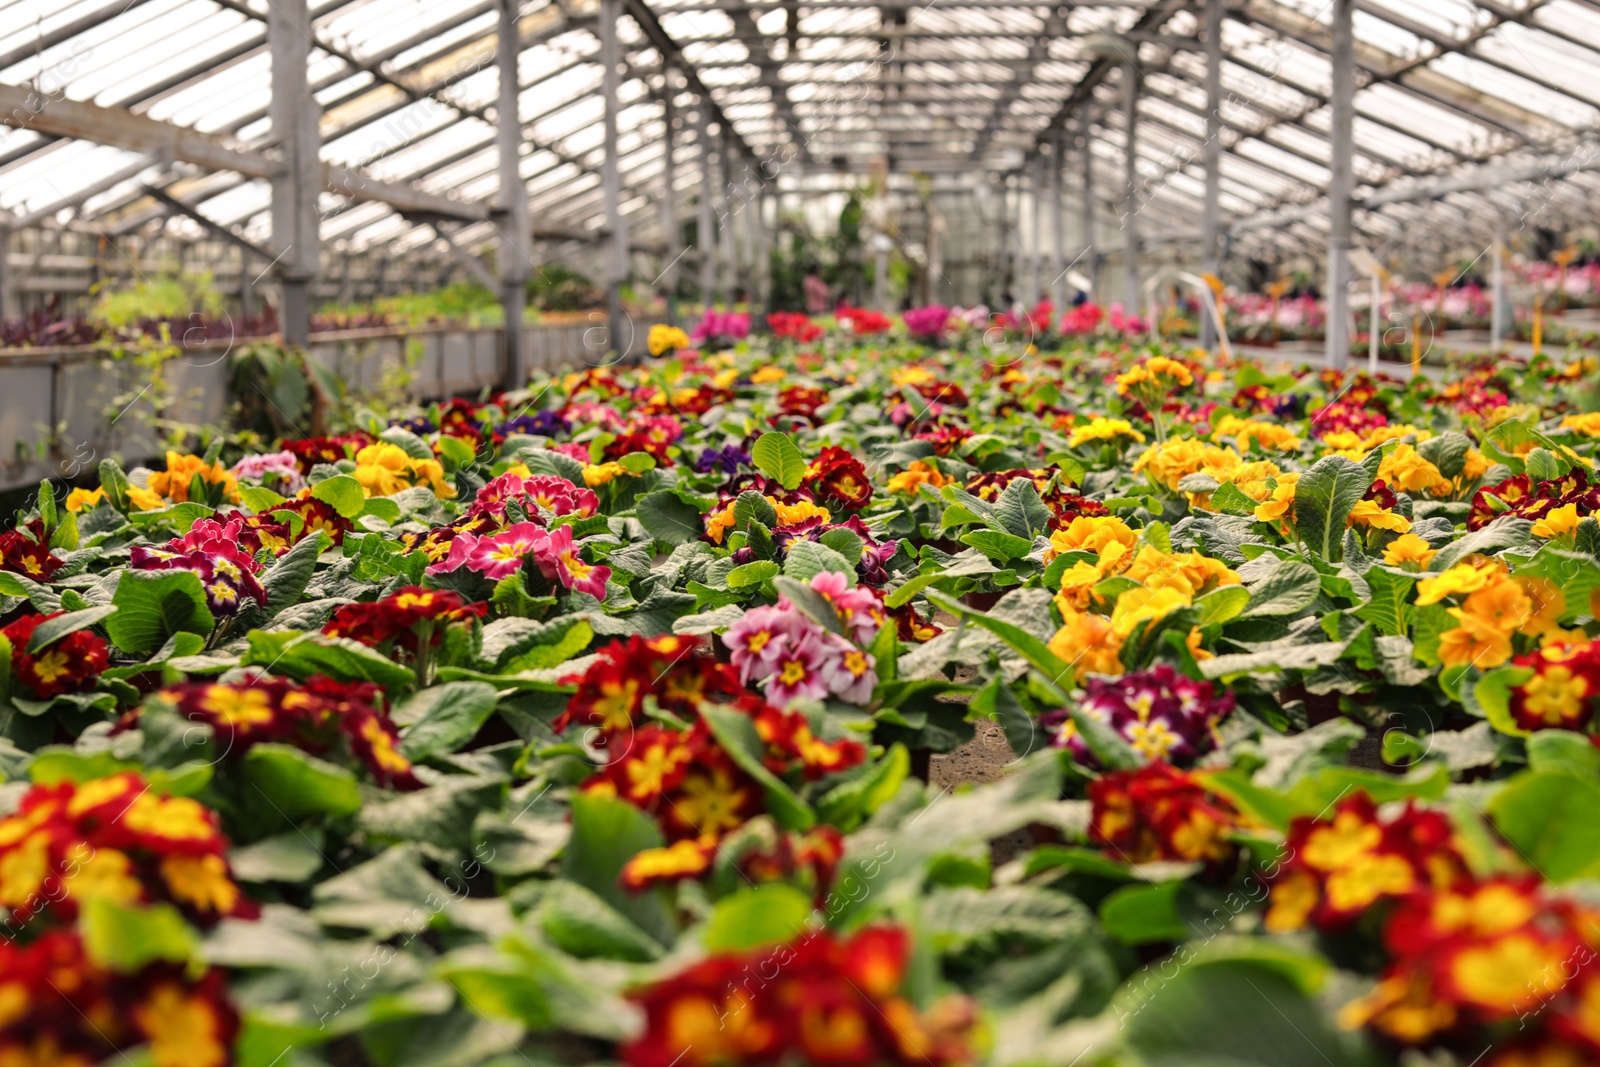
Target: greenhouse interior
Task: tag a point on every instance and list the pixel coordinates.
(810, 533)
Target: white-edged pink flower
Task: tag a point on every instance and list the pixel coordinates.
(798, 674)
(859, 610)
(559, 561)
(757, 640)
(848, 671)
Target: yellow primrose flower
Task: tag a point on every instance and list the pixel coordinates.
(384, 469)
(1091, 533)
(1558, 523)
(724, 379)
(1280, 506)
(663, 338)
(1404, 468)
(173, 483)
(1268, 436)
(920, 472)
(800, 511)
(1168, 464)
(911, 374)
(718, 523)
(1088, 644)
(1460, 580)
(1408, 549)
(1587, 424)
(1371, 513)
(1190, 573)
(598, 474)
(1101, 428)
(79, 499)
(1144, 605)
(769, 373)
(1077, 585)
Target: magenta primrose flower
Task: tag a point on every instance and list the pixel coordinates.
(793, 657)
(494, 556)
(558, 560)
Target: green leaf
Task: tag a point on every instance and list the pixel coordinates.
(115, 483)
(757, 916)
(998, 701)
(1389, 607)
(1288, 589)
(52, 630)
(286, 580)
(1323, 498)
(343, 493)
(752, 574)
(1221, 604)
(154, 605)
(807, 559)
(736, 732)
(996, 545)
(580, 923)
(410, 443)
(514, 645)
(1565, 751)
(810, 603)
(667, 518)
(1140, 914)
(260, 500)
(606, 834)
(294, 784)
(444, 717)
(850, 802)
(776, 456)
(287, 857)
(301, 655)
(1019, 510)
(127, 939)
(1549, 817)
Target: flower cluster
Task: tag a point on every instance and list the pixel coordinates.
(500, 555)
(69, 664)
(310, 451)
(1165, 716)
(683, 777)
(795, 658)
(190, 478)
(1485, 952)
(544, 495)
(720, 329)
(216, 552)
(927, 323)
(663, 338)
(275, 470)
(837, 477)
(794, 325)
(25, 551)
(1562, 691)
(1158, 812)
(1153, 378)
(819, 999)
(863, 322)
(62, 1009)
(1340, 865)
(407, 620)
(1492, 607)
(114, 839)
(384, 469)
(319, 717)
(1558, 503)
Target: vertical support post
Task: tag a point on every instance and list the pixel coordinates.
(762, 298)
(296, 127)
(1058, 222)
(1372, 325)
(1091, 255)
(705, 227)
(1035, 231)
(673, 246)
(730, 249)
(1130, 163)
(1212, 222)
(8, 287)
(1498, 316)
(616, 251)
(516, 235)
(1341, 185)
(1005, 239)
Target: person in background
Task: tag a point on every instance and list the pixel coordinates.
(816, 291)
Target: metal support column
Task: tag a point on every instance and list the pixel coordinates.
(516, 234)
(1500, 314)
(9, 308)
(1058, 224)
(1005, 242)
(616, 249)
(296, 128)
(1130, 207)
(1212, 212)
(705, 226)
(730, 249)
(673, 247)
(1341, 184)
(1091, 251)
